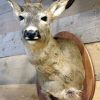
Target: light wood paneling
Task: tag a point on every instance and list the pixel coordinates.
(97, 91)
(94, 50)
(18, 92)
(8, 23)
(85, 25)
(80, 6)
(11, 44)
(29, 92)
(16, 69)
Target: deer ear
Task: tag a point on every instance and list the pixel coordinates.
(17, 8)
(59, 6)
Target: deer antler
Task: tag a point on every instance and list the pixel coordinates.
(27, 1)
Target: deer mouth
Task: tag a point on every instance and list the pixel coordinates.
(32, 38)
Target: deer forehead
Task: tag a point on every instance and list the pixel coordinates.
(33, 12)
(33, 9)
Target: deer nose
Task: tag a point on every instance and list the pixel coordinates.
(31, 35)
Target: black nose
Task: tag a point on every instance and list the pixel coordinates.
(31, 35)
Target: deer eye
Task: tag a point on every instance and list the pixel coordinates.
(21, 18)
(44, 18)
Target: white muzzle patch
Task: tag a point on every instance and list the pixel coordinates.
(31, 28)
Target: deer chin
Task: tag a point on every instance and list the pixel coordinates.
(31, 42)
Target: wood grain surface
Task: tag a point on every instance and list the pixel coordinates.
(16, 70)
(94, 50)
(29, 92)
(18, 92)
(97, 91)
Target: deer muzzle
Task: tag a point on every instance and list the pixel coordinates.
(31, 35)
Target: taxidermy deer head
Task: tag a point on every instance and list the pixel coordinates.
(36, 19)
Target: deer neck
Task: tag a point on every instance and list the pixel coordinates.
(42, 49)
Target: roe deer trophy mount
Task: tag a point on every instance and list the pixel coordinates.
(58, 62)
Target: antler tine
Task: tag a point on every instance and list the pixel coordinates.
(28, 1)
